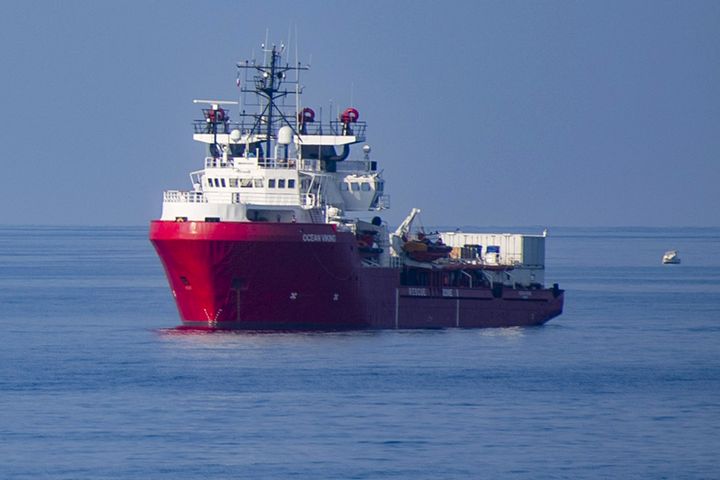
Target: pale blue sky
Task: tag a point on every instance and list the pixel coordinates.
(498, 113)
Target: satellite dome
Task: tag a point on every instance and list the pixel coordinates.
(285, 135)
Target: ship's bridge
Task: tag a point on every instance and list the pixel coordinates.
(292, 185)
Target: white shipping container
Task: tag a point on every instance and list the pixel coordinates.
(515, 249)
(533, 251)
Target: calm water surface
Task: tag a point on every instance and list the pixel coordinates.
(94, 384)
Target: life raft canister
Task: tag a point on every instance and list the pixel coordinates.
(216, 115)
(350, 115)
(306, 115)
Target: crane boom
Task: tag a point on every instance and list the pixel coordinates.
(405, 226)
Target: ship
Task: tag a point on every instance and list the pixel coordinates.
(671, 257)
(282, 230)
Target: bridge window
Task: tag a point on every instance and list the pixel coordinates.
(258, 182)
(222, 182)
(217, 182)
(281, 183)
(343, 187)
(233, 182)
(291, 183)
(365, 187)
(210, 184)
(355, 187)
(246, 183)
(271, 183)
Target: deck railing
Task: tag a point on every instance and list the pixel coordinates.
(218, 162)
(203, 126)
(383, 202)
(267, 163)
(357, 166)
(176, 196)
(291, 163)
(277, 163)
(267, 198)
(334, 127)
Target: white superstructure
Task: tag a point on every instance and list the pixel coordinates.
(279, 165)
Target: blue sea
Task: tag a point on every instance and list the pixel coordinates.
(94, 383)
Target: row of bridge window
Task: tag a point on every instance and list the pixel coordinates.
(250, 182)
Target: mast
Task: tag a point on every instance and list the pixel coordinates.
(269, 82)
(270, 90)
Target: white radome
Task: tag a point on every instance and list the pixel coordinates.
(285, 135)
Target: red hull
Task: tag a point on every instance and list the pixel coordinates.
(287, 276)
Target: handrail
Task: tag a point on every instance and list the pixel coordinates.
(176, 196)
(219, 162)
(308, 200)
(262, 162)
(277, 163)
(203, 126)
(357, 166)
(334, 127)
(383, 202)
(273, 163)
(267, 198)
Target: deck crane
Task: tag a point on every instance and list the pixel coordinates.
(398, 237)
